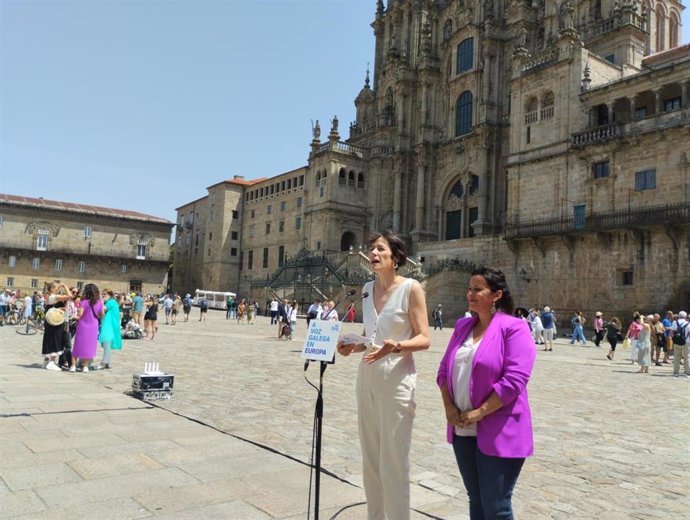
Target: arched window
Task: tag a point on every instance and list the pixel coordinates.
(347, 241)
(660, 28)
(465, 56)
(547, 102)
(351, 178)
(456, 191)
(673, 25)
(463, 114)
(360, 180)
(341, 177)
(531, 111)
(318, 177)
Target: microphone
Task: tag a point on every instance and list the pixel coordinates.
(364, 295)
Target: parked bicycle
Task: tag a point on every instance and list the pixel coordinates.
(32, 324)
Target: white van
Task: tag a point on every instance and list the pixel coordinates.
(215, 299)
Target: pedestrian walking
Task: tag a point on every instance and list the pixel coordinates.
(187, 306)
(599, 328)
(150, 318)
(273, 310)
(613, 336)
(548, 321)
(644, 346)
(681, 334)
(203, 309)
(633, 335)
(578, 322)
(437, 315)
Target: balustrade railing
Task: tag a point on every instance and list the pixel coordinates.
(678, 213)
(540, 60)
(453, 264)
(342, 147)
(350, 149)
(126, 253)
(546, 112)
(600, 134)
(625, 16)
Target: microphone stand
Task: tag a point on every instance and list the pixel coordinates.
(318, 426)
(318, 416)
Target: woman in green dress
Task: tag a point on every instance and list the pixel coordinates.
(110, 336)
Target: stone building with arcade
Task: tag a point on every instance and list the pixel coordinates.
(548, 138)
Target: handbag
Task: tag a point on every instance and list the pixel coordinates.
(627, 343)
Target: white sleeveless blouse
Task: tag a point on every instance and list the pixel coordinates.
(393, 322)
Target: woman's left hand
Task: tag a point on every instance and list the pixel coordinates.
(388, 346)
(470, 417)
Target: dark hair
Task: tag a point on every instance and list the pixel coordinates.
(91, 293)
(395, 243)
(496, 281)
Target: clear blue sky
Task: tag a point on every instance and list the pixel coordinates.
(141, 105)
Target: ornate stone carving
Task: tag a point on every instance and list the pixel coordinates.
(145, 238)
(32, 228)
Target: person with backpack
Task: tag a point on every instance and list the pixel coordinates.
(187, 306)
(203, 309)
(681, 333)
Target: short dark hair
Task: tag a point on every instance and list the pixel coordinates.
(496, 281)
(396, 244)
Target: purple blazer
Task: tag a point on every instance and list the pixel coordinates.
(502, 364)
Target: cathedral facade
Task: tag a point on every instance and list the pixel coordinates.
(548, 138)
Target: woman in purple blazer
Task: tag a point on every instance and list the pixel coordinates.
(483, 379)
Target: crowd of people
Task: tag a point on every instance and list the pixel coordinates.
(76, 322)
(652, 340)
(482, 376)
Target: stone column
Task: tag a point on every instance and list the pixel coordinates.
(397, 196)
(684, 94)
(609, 112)
(657, 101)
(633, 99)
(419, 203)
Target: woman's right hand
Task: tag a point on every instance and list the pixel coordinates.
(347, 349)
(452, 415)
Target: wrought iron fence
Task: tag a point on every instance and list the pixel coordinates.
(678, 213)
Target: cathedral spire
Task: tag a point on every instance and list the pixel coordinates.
(366, 80)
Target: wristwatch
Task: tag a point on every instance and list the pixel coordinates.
(398, 347)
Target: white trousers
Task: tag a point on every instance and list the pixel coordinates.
(386, 409)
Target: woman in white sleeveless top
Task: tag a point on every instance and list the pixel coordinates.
(396, 324)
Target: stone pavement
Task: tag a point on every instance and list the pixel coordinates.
(235, 441)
